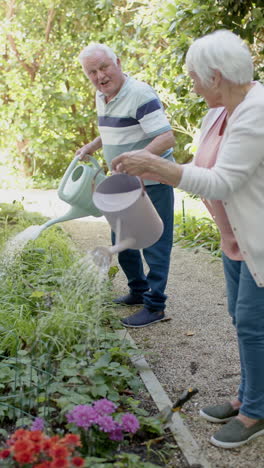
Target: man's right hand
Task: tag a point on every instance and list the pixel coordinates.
(85, 152)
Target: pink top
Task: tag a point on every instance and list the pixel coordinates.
(206, 157)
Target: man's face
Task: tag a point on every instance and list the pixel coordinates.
(105, 75)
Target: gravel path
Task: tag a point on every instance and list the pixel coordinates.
(196, 347)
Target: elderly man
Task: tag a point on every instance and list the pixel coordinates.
(131, 117)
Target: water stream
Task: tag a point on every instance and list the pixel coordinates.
(15, 245)
(79, 301)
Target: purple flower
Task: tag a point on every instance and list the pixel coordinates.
(38, 424)
(117, 433)
(129, 423)
(82, 416)
(106, 423)
(104, 406)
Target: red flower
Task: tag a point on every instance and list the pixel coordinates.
(24, 457)
(59, 463)
(71, 440)
(37, 448)
(36, 436)
(22, 445)
(77, 461)
(25, 447)
(47, 444)
(5, 453)
(18, 434)
(58, 451)
(54, 439)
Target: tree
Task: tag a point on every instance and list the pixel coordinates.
(164, 32)
(47, 105)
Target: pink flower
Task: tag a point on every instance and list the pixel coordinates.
(129, 423)
(104, 406)
(106, 423)
(83, 416)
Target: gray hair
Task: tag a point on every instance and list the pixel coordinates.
(224, 51)
(95, 47)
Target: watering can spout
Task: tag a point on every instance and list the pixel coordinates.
(73, 213)
(102, 256)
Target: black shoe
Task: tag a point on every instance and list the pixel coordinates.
(129, 299)
(143, 318)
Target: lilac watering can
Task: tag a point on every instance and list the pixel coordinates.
(123, 200)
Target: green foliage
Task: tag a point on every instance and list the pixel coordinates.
(37, 304)
(165, 31)
(13, 218)
(47, 105)
(123, 460)
(244, 17)
(34, 384)
(194, 232)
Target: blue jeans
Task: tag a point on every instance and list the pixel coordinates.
(157, 256)
(246, 307)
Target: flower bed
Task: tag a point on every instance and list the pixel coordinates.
(63, 369)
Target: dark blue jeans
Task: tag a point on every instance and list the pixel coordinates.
(157, 256)
(246, 307)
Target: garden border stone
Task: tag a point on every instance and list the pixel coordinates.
(179, 430)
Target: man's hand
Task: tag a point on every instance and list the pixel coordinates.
(85, 152)
(89, 149)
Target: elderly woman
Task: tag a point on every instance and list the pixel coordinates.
(228, 173)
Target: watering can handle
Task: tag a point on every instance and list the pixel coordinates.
(94, 177)
(70, 169)
(140, 180)
(142, 186)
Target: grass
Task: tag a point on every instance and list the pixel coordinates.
(194, 228)
(48, 295)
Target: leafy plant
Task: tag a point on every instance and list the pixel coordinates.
(50, 301)
(195, 232)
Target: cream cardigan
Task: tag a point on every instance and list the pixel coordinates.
(238, 176)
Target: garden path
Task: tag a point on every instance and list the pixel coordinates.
(197, 347)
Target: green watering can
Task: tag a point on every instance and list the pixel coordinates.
(76, 188)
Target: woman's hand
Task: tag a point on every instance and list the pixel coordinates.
(147, 165)
(140, 163)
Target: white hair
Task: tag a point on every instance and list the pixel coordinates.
(224, 51)
(94, 47)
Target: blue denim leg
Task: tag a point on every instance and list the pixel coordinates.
(246, 302)
(157, 256)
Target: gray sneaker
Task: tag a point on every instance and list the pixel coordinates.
(219, 413)
(234, 434)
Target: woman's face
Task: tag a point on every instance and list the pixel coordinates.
(211, 94)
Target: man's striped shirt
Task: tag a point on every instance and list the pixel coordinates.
(131, 120)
